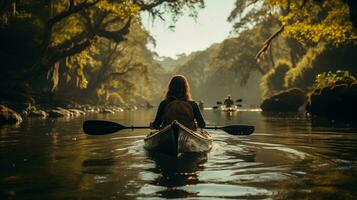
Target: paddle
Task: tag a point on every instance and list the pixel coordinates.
(101, 127)
(239, 101)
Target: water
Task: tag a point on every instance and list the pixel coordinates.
(288, 157)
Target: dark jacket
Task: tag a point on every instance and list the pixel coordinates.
(161, 111)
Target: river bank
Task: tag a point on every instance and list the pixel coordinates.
(11, 116)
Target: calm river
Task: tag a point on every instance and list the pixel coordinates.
(288, 157)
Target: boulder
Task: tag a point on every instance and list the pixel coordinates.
(55, 113)
(285, 101)
(37, 113)
(66, 112)
(76, 112)
(337, 100)
(8, 116)
(107, 111)
(59, 112)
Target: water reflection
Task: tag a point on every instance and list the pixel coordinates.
(174, 173)
(288, 157)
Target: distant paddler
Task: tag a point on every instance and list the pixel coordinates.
(228, 102)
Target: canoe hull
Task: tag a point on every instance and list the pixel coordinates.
(176, 139)
(229, 109)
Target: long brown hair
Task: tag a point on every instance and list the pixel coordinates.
(178, 88)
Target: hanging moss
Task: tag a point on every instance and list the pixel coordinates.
(319, 59)
(273, 81)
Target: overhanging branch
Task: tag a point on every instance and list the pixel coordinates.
(116, 36)
(267, 43)
(150, 6)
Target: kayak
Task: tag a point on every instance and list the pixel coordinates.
(229, 109)
(176, 139)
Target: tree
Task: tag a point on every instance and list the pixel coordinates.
(59, 38)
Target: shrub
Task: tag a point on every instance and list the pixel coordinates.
(326, 79)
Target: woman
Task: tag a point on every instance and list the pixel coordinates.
(178, 106)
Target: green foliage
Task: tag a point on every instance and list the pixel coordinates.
(326, 79)
(314, 21)
(170, 64)
(238, 54)
(227, 67)
(320, 59)
(273, 80)
(198, 67)
(295, 76)
(308, 21)
(87, 48)
(247, 13)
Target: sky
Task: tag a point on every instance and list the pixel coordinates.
(190, 35)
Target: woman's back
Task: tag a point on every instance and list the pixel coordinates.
(180, 111)
(185, 112)
(178, 106)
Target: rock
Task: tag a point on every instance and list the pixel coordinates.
(353, 86)
(115, 108)
(107, 111)
(76, 112)
(38, 113)
(59, 112)
(285, 101)
(338, 100)
(64, 111)
(8, 116)
(24, 113)
(118, 109)
(55, 113)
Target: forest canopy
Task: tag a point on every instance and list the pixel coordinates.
(96, 51)
(79, 46)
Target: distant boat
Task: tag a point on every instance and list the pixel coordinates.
(232, 108)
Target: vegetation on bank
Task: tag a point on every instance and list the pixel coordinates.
(287, 43)
(320, 37)
(95, 51)
(333, 95)
(86, 51)
(273, 81)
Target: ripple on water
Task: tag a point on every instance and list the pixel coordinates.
(54, 158)
(225, 190)
(223, 176)
(205, 190)
(292, 152)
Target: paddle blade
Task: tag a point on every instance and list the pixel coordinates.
(101, 127)
(239, 100)
(238, 129)
(219, 102)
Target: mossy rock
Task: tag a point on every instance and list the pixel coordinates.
(353, 86)
(339, 100)
(8, 116)
(285, 101)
